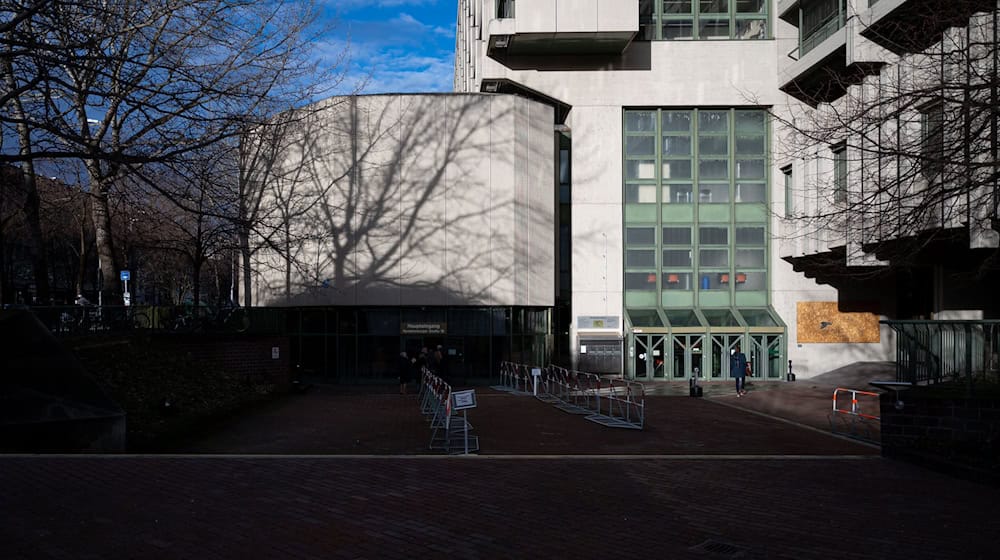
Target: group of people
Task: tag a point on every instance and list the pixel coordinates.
(410, 367)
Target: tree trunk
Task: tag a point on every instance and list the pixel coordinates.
(104, 240)
(36, 243)
(82, 265)
(247, 273)
(288, 262)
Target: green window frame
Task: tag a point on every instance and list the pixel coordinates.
(707, 164)
(676, 20)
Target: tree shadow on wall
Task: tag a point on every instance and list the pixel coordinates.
(414, 200)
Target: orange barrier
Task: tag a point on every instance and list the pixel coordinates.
(857, 414)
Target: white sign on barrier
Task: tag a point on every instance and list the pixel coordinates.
(464, 399)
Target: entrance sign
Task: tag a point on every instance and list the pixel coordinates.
(423, 328)
(462, 400)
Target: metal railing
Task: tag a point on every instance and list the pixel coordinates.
(609, 402)
(857, 417)
(930, 352)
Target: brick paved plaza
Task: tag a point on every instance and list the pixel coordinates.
(333, 475)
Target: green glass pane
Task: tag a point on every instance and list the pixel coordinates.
(750, 258)
(720, 317)
(758, 318)
(640, 145)
(713, 168)
(676, 146)
(677, 6)
(713, 28)
(640, 258)
(751, 29)
(676, 258)
(750, 169)
(640, 121)
(676, 169)
(677, 280)
(751, 192)
(676, 121)
(677, 29)
(640, 236)
(677, 194)
(751, 6)
(713, 121)
(750, 122)
(644, 318)
(750, 145)
(677, 236)
(713, 145)
(714, 6)
(682, 318)
(640, 281)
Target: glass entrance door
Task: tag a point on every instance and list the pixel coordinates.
(723, 346)
(765, 355)
(688, 357)
(649, 356)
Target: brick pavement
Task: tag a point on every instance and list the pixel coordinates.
(553, 484)
(447, 507)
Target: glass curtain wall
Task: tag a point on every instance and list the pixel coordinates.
(675, 20)
(695, 208)
(695, 235)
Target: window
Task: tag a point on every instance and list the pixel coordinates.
(505, 9)
(673, 20)
(839, 172)
(680, 160)
(786, 172)
(819, 20)
(932, 140)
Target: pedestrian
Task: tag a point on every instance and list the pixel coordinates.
(738, 369)
(437, 358)
(405, 372)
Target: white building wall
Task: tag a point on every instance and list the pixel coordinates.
(442, 200)
(683, 74)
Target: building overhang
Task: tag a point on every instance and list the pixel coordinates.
(903, 26)
(788, 10)
(830, 267)
(576, 43)
(549, 27)
(504, 85)
(823, 75)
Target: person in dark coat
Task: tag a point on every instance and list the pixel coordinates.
(405, 372)
(738, 369)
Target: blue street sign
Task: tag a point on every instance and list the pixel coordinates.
(125, 275)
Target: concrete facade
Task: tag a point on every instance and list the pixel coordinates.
(402, 200)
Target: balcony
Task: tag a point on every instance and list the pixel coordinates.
(829, 57)
(903, 26)
(554, 27)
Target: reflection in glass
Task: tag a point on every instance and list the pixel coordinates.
(677, 194)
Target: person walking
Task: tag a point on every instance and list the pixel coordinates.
(405, 372)
(738, 369)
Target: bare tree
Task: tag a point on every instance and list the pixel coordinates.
(908, 156)
(126, 85)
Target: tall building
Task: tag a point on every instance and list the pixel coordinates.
(638, 187)
(710, 196)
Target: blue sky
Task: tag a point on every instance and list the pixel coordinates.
(400, 45)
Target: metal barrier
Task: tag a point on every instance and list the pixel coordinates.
(625, 406)
(449, 431)
(858, 416)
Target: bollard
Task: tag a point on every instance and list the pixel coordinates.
(790, 376)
